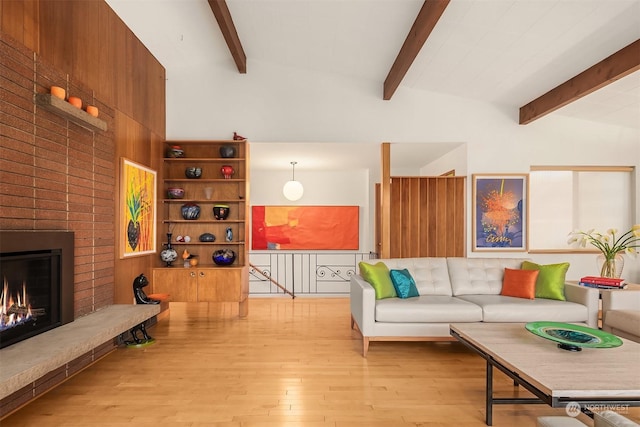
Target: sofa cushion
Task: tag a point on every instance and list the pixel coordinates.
(519, 283)
(427, 309)
(611, 419)
(430, 274)
(378, 277)
(403, 283)
(498, 308)
(550, 282)
(623, 320)
(479, 276)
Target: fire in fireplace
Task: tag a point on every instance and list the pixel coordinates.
(36, 269)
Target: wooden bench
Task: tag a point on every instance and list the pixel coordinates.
(33, 366)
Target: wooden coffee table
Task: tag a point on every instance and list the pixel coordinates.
(593, 378)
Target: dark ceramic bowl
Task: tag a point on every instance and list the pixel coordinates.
(221, 211)
(193, 172)
(227, 151)
(224, 257)
(190, 211)
(175, 193)
(207, 237)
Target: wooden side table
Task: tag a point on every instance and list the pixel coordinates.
(630, 286)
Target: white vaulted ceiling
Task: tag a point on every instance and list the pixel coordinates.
(503, 52)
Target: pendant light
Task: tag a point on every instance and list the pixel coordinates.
(293, 189)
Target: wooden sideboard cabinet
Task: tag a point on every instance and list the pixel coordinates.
(230, 284)
(207, 281)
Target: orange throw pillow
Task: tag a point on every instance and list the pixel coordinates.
(519, 283)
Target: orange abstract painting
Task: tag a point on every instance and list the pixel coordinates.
(305, 227)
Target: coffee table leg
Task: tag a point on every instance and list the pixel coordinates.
(489, 400)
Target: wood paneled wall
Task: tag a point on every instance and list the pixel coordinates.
(55, 174)
(427, 217)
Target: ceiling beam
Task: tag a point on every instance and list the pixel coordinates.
(223, 16)
(622, 63)
(427, 19)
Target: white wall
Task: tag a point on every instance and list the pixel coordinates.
(271, 103)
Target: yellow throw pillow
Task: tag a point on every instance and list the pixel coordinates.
(551, 277)
(377, 275)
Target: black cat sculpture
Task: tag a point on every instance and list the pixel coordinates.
(141, 298)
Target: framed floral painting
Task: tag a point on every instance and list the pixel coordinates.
(500, 212)
(137, 209)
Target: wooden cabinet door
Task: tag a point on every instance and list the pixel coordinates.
(222, 285)
(180, 283)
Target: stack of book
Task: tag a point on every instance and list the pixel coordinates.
(602, 282)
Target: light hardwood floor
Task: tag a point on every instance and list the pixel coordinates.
(289, 363)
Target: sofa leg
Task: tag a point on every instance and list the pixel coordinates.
(365, 346)
(353, 322)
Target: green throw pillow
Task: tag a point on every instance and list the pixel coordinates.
(378, 276)
(550, 282)
(403, 283)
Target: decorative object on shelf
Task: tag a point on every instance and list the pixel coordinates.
(185, 254)
(221, 211)
(227, 171)
(229, 234)
(193, 260)
(138, 212)
(75, 101)
(227, 151)
(168, 254)
(208, 192)
(175, 151)
(224, 257)
(92, 110)
(183, 239)
(58, 92)
(193, 172)
(187, 239)
(573, 337)
(293, 190)
(175, 193)
(610, 261)
(207, 237)
(190, 211)
(237, 137)
(64, 109)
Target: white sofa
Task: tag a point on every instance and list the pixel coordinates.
(621, 313)
(455, 290)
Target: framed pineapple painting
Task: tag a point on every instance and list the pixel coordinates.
(137, 209)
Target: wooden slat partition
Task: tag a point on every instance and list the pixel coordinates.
(427, 217)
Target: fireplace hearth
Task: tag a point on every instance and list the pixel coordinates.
(36, 283)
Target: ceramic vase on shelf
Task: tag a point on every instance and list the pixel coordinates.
(611, 267)
(168, 254)
(227, 171)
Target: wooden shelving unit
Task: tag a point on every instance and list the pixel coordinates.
(69, 112)
(207, 281)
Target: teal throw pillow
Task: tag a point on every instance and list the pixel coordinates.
(550, 281)
(403, 283)
(378, 277)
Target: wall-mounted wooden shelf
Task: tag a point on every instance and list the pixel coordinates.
(69, 112)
